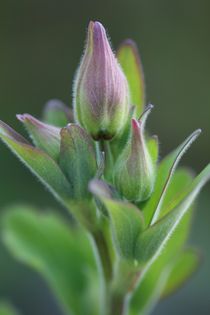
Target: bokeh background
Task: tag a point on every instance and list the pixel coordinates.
(40, 46)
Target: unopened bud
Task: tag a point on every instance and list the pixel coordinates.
(134, 174)
(101, 90)
(78, 159)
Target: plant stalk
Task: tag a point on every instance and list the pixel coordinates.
(104, 254)
(118, 305)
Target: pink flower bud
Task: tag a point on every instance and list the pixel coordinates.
(101, 91)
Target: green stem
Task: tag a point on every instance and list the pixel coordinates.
(118, 305)
(115, 303)
(115, 300)
(106, 266)
(104, 254)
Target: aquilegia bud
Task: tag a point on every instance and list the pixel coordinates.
(78, 159)
(101, 93)
(134, 173)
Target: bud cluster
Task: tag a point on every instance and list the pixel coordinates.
(98, 160)
(102, 105)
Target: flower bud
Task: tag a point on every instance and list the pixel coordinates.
(78, 159)
(44, 136)
(134, 173)
(101, 101)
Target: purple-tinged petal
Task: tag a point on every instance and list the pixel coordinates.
(44, 136)
(7, 131)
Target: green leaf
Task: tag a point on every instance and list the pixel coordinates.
(153, 148)
(152, 282)
(126, 220)
(129, 59)
(151, 242)
(151, 288)
(7, 309)
(63, 256)
(182, 268)
(180, 181)
(152, 209)
(38, 162)
(163, 280)
(56, 113)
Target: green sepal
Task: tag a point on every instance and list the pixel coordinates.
(77, 159)
(119, 142)
(152, 209)
(151, 242)
(128, 57)
(56, 113)
(127, 222)
(135, 171)
(38, 162)
(62, 255)
(44, 136)
(181, 270)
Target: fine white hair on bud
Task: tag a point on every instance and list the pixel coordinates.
(101, 93)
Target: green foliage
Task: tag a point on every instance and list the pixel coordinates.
(152, 284)
(125, 247)
(63, 255)
(181, 270)
(152, 209)
(163, 279)
(151, 287)
(129, 59)
(39, 163)
(153, 148)
(151, 242)
(127, 222)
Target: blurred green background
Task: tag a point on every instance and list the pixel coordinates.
(40, 46)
